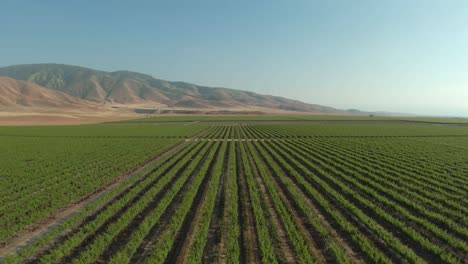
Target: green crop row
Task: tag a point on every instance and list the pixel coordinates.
(166, 240)
(379, 193)
(294, 234)
(196, 250)
(360, 206)
(381, 181)
(263, 233)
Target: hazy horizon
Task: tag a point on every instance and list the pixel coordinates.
(379, 56)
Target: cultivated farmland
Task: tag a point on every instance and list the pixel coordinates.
(277, 193)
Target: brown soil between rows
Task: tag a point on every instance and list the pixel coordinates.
(28, 234)
(148, 244)
(411, 243)
(414, 211)
(249, 245)
(363, 227)
(215, 248)
(32, 231)
(281, 241)
(67, 234)
(125, 234)
(299, 218)
(344, 242)
(192, 219)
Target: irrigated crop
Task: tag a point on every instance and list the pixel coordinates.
(237, 193)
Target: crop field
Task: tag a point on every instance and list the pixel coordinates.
(215, 118)
(46, 168)
(257, 193)
(291, 118)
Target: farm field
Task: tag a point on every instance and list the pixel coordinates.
(46, 168)
(212, 118)
(257, 193)
(290, 118)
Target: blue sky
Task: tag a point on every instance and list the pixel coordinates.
(401, 56)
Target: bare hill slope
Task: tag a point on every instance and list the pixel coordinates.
(14, 94)
(124, 87)
(131, 88)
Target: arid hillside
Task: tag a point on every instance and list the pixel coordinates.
(131, 88)
(23, 94)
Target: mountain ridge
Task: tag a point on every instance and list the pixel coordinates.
(133, 88)
(23, 94)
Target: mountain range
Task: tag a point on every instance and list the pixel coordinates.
(58, 85)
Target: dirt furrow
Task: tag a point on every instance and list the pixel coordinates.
(300, 219)
(186, 236)
(30, 233)
(250, 249)
(64, 236)
(76, 251)
(284, 250)
(214, 244)
(148, 243)
(316, 245)
(378, 242)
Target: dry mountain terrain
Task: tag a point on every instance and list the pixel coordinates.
(131, 88)
(23, 94)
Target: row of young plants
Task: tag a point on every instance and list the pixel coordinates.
(323, 181)
(165, 241)
(422, 172)
(337, 200)
(293, 177)
(420, 221)
(423, 219)
(422, 161)
(405, 172)
(104, 167)
(217, 229)
(206, 207)
(426, 218)
(233, 250)
(59, 159)
(217, 118)
(427, 202)
(370, 212)
(39, 193)
(55, 234)
(138, 231)
(363, 130)
(102, 131)
(264, 238)
(94, 210)
(295, 236)
(102, 242)
(123, 208)
(373, 191)
(214, 132)
(447, 159)
(61, 254)
(320, 233)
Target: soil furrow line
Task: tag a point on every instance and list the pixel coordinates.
(186, 235)
(317, 246)
(76, 252)
(30, 233)
(383, 222)
(64, 236)
(380, 244)
(148, 243)
(215, 232)
(249, 244)
(122, 238)
(282, 243)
